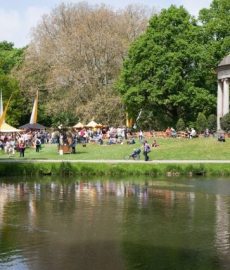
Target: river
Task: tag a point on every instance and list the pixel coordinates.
(102, 223)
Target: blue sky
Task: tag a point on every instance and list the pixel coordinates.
(17, 17)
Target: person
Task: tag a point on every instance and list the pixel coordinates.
(187, 133)
(193, 133)
(140, 136)
(135, 152)
(37, 143)
(146, 150)
(168, 132)
(21, 148)
(73, 145)
(206, 133)
(173, 132)
(221, 138)
(154, 144)
(131, 141)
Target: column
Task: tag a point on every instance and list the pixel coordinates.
(219, 103)
(226, 97)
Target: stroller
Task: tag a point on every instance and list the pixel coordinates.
(135, 155)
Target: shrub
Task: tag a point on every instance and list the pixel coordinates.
(201, 123)
(212, 123)
(180, 125)
(225, 122)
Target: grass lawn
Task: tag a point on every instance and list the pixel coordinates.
(169, 149)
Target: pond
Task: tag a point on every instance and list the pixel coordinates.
(136, 223)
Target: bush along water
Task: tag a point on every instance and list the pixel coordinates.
(117, 169)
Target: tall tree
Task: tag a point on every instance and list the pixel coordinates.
(11, 58)
(164, 71)
(75, 56)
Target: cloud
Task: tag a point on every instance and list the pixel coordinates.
(15, 27)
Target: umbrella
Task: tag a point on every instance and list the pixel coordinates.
(7, 128)
(32, 126)
(91, 124)
(78, 125)
(99, 126)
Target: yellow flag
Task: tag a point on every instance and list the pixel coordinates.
(4, 113)
(33, 118)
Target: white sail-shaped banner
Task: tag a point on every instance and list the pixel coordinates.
(33, 118)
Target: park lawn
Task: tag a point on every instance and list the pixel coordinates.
(169, 149)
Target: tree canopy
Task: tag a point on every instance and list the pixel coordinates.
(164, 71)
(76, 54)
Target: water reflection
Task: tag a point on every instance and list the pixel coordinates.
(106, 224)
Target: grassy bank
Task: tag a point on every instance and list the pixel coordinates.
(170, 149)
(108, 169)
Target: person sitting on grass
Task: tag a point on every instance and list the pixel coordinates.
(131, 141)
(154, 144)
(221, 138)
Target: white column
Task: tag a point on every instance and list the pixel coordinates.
(219, 103)
(226, 97)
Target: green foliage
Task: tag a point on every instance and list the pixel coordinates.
(225, 122)
(212, 123)
(164, 72)
(180, 125)
(11, 58)
(201, 123)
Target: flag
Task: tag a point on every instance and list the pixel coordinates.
(33, 118)
(4, 112)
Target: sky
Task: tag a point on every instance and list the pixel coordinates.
(18, 17)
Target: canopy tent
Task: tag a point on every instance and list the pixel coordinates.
(91, 124)
(34, 126)
(7, 128)
(99, 126)
(78, 125)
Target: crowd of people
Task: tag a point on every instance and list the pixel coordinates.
(19, 141)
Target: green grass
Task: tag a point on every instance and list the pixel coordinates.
(170, 149)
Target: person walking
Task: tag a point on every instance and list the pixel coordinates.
(21, 148)
(140, 136)
(37, 143)
(146, 150)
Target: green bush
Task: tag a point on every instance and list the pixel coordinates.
(225, 122)
(212, 123)
(201, 123)
(180, 125)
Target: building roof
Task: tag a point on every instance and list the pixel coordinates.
(225, 61)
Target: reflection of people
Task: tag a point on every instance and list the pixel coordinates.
(21, 148)
(221, 138)
(154, 144)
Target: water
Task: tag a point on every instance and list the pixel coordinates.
(114, 224)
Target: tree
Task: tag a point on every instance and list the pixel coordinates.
(164, 72)
(212, 123)
(11, 58)
(75, 57)
(225, 122)
(201, 123)
(180, 125)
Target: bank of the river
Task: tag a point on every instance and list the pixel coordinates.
(111, 168)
